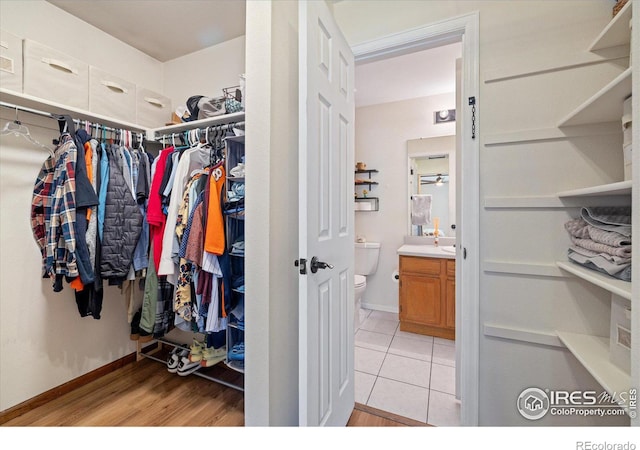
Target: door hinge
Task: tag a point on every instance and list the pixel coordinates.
(302, 263)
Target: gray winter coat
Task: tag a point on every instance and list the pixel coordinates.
(122, 221)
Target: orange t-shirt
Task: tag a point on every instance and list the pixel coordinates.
(214, 232)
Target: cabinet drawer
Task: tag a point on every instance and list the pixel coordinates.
(152, 109)
(451, 268)
(111, 96)
(10, 61)
(53, 75)
(416, 264)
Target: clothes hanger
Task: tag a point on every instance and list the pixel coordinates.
(18, 129)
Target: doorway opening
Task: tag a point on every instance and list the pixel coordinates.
(461, 31)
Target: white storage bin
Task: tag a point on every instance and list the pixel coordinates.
(52, 75)
(620, 333)
(10, 61)
(153, 109)
(111, 96)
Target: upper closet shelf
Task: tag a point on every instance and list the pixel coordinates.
(616, 32)
(29, 101)
(604, 106)
(613, 285)
(202, 123)
(620, 188)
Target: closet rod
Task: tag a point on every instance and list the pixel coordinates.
(55, 116)
(226, 126)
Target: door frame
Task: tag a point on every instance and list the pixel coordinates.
(463, 29)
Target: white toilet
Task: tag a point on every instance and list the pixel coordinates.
(366, 263)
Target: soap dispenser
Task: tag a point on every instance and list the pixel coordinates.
(436, 223)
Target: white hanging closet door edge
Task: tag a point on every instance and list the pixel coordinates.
(326, 132)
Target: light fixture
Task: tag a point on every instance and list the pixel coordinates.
(439, 181)
(445, 115)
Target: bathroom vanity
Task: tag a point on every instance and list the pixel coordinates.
(427, 290)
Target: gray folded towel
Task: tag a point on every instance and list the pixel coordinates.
(609, 218)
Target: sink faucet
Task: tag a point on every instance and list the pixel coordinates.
(435, 240)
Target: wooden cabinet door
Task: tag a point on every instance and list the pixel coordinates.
(420, 299)
(450, 303)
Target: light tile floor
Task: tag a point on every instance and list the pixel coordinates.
(407, 374)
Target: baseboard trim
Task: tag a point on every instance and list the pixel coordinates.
(65, 388)
(390, 416)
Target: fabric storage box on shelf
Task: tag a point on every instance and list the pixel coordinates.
(627, 130)
(53, 75)
(620, 333)
(10, 61)
(111, 96)
(152, 109)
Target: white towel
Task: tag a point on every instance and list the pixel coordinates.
(421, 209)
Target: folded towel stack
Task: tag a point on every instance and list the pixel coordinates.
(601, 240)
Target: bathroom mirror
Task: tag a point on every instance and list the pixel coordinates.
(431, 172)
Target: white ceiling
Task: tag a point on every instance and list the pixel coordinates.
(168, 29)
(163, 29)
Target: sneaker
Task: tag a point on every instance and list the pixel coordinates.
(186, 367)
(174, 358)
(195, 351)
(212, 356)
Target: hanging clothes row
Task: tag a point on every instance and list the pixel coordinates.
(88, 208)
(188, 286)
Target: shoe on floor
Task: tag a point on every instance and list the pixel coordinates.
(174, 358)
(186, 367)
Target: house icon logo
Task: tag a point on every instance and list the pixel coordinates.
(533, 403)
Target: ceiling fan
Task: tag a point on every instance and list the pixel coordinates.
(438, 179)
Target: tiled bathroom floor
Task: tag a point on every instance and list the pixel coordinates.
(407, 374)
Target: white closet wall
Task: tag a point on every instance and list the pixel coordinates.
(526, 48)
(207, 71)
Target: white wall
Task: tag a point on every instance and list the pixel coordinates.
(44, 23)
(271, 380)
(521, 43)
(205, 72)
(382, 132)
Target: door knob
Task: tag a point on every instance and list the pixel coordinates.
(315, 265)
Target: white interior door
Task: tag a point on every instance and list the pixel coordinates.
(326, 218)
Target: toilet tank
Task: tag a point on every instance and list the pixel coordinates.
(366, 257)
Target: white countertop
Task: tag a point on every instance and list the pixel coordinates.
(428, 251)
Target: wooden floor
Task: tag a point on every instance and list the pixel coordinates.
(145, 394)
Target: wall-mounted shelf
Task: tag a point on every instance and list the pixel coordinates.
(619, 188)
(368, 182)
(618, 287)
(36, 103)
(593, 354)
(616, 32)
(366, 204)
(604, 106)
(202, 123)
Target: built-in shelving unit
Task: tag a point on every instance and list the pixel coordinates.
(604, 106)
(364, 202)
(593, 354)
